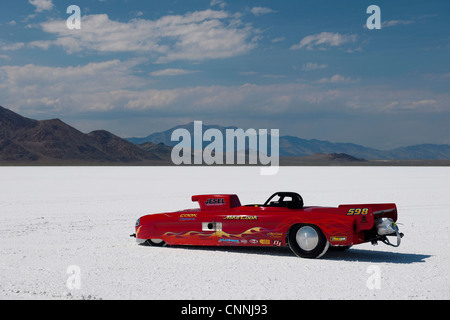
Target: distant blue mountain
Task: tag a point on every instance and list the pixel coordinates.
(291, 146)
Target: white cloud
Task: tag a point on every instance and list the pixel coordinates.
(220, 3)
(423, 103)
(41, 44)
(93, 86)
(324, 40)
(171, 72)
(42, 5)
(11, 46)
(337, 78)
(310, 66)
(195, 36)
(259, 11)
(279, 39)
(112, 86)
(419, 105)
(393, 23)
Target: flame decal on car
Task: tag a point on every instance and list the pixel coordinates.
(220, 234)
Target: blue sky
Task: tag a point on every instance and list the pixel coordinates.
(309, 68)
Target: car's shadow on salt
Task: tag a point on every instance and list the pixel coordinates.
(271, 251)
(350, 255)
(373, 256)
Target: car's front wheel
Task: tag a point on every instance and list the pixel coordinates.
(307, 241)
(156, 243)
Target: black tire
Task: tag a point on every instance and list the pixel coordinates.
(307, 241)
(156, 243)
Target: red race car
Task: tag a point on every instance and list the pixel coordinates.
(282, 220)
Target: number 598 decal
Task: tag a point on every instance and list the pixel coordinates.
(357, 211)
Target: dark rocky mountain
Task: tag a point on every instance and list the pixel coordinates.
(160, 149)
(121, 149)
(49, 141)
(291, 146)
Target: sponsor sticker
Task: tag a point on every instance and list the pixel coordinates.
(275, 234)
(215, 202)
(241, 218)
(188, 217)
(338, 239)
(232, 241)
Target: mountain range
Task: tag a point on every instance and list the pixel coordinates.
(291, 146)
(48, 142)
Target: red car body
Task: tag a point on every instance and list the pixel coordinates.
(221, 220)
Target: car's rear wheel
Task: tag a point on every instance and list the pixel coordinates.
(156, 243)
(307, 241)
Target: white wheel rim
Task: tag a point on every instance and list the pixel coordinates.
(307, 238)
(156, 241)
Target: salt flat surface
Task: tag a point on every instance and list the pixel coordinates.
(54, 218)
